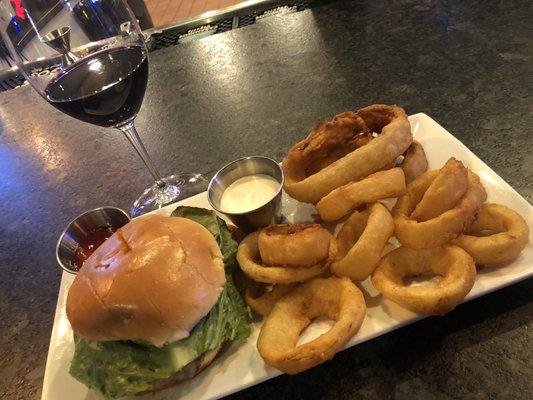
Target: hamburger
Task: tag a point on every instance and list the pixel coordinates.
(155, 303)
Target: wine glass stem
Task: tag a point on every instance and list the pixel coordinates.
(132, 135)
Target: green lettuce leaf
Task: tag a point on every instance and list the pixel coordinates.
(119, 368)
(217, 227)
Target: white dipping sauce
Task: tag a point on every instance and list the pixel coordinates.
(248, 193)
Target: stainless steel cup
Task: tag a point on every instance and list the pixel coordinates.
(86, 223)
(252, 220)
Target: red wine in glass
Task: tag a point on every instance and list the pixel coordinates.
(105, 89)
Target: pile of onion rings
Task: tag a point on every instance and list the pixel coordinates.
(345, 167)
(336, 298)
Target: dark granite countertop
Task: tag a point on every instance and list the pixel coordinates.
(256, 90)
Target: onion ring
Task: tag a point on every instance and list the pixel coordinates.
(444, 193)
(261, 300)
(294, 245)
(257, 295)
(445, 227)
(378, 186)
(510, 234)
(336, 298)
(394, 139)
(361, 242)
(327, 142)
(248, 253)
(451, 262)
(414, 162)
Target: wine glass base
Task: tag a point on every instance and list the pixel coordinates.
(178, 187)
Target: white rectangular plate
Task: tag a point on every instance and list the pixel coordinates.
(241, 366)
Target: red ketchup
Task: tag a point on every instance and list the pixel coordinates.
(87, 246)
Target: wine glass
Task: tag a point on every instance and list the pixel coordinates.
(88, 59)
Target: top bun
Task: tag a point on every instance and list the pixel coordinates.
(153, 280)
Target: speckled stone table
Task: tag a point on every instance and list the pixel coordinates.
(256, 90)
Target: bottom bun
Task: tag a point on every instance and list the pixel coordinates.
(188, 372)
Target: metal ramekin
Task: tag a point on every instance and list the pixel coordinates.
(267, 214)
(102, 217)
